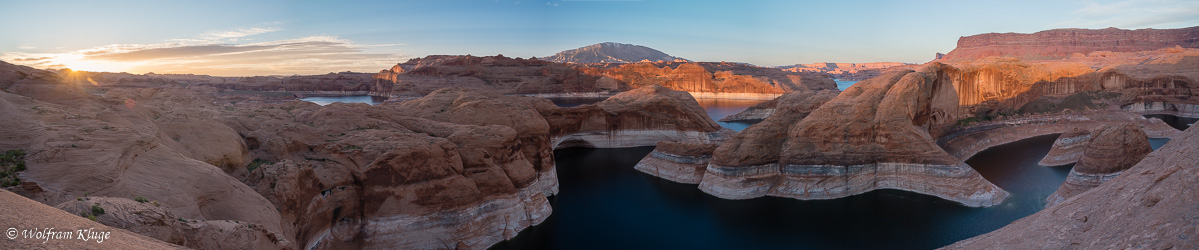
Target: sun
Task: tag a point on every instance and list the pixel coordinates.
(78, 62)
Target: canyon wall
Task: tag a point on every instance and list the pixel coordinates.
(871, 136)
(508, 75)
(1061, 43)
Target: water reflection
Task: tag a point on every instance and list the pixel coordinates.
(326, 100)
(844, 84)
(1180, 123)
(605, 204)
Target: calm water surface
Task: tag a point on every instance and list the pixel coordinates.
(605, 204)
(1180, 123)
(842, 85)
(326, 100)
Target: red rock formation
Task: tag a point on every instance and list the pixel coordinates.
(507, 75)
(1144, 208)
(79, 144)
(1061, 43)
(639, 117)
(872, 136)
(150, 219)
(678, 162)
(1067, 148)
(21, 213)
(800, 103)
(1111, 150)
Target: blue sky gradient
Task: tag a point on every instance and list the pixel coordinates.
(308, 37)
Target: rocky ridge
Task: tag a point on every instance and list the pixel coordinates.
(1111, 150)
(1062, 43)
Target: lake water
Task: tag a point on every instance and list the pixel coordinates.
(326, 100)
(842, 85)
(1180, 123)
(605, 204)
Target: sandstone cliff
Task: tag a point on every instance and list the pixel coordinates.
(507, 75)
(24, 214)
(1111, 150)
(1061, 43)
(1067, 148)
(640, 117)
(800, 104)
(78, 144)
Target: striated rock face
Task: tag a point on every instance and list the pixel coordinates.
(678, 162)
(1061, 43)
(1143, 208)
(150, 219)
(640, 117)
(610, 52)
(526, 76)
(22, 213)
(1112, 150)
(77, 143)
(456, 168)
(874, 135)
(1068, 148)
(799, 105)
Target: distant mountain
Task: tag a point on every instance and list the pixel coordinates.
(611, 53)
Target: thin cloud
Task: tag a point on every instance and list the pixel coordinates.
(306, 55)
(238, 33)
(1133, 14)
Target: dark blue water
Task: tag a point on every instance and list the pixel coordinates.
(1180, 123)
(571, 102)
(842, 85)
(326, 100)
(605, 204)
(721, 108)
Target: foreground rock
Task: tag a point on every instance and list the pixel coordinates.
(1068, 148)
(1113, 150)
(1143, 208)
(149, 218)
(78, 144)
(24, 214)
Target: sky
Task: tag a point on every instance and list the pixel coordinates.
(241, 38)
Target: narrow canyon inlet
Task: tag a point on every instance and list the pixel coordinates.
(596, 124)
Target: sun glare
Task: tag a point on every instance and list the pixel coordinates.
(78, 62)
